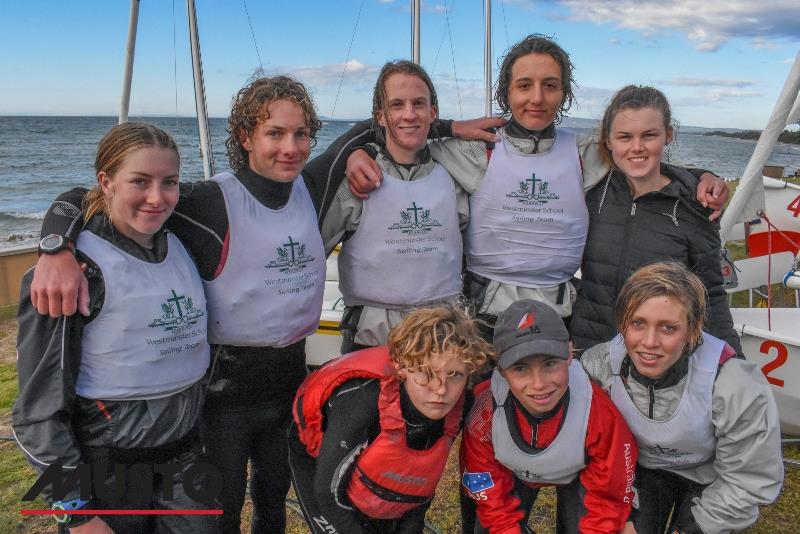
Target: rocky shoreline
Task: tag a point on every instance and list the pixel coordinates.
(786, 136)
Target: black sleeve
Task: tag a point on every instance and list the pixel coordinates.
(697, 173)
(49, 353)
(413, 521)
(325, 173)
(351, 420)
(200, 221)
(443, 127)
(65, 217)
(705, 258)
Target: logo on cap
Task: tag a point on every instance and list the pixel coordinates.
(528, 321)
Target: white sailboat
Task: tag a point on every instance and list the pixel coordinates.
(770, 209)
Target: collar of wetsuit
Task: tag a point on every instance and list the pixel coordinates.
(101, 226)
(674, 375)
(423, 156)
(411, 415)
(271, 193)
(515, 129)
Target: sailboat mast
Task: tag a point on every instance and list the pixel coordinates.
(487, 55)
(133, 23)
(200, 93)
(415, 30)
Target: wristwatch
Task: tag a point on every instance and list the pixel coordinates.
(53, 243)
(74, 504)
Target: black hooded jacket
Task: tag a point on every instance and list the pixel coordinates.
(627, 233)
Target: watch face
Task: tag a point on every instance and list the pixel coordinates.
(51, 242)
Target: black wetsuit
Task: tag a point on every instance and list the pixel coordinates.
(352, 421)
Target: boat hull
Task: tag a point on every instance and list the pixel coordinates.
(777, 352)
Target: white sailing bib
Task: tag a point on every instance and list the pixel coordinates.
(149, 339)
(269, 293)
(407, 248)
(564, 458)
(687, 437)
(528, 219)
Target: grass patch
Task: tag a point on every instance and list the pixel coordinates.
(16, 477)
(8, 387)
(8, 312)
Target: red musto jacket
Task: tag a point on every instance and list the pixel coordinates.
(389, 478)
(611, 455)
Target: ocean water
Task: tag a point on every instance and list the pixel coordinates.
(40, 157)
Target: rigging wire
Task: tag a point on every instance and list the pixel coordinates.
(253, 35)
(175, 66)
(347, 60)
(505, 23)
(453, 56)
(441, 41)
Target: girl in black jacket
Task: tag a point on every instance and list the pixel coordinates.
(643, 212)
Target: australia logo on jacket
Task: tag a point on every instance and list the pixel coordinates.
(177, 313)
(533, 190)
(415, 220)
(292, 257)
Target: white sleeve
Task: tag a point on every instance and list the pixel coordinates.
(466, 161)
(594, 167)
(748, 460)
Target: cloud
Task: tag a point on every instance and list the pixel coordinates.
(355, 72)
(591, 101)
(435, 8)
(763, 43)
(705, 82)
(613, 40)
(707, 24)
(715, 95)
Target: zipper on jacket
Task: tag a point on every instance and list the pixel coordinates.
(535, 434)
(621, 275)
(651, 390)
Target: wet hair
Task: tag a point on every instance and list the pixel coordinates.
(632, 97)
(536, 44)
(426, 332)
(379, 104)
(115, 146)
(249, 107)
(665, 279)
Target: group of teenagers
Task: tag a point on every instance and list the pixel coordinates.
(165, 322)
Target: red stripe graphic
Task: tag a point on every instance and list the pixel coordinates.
(121, 512)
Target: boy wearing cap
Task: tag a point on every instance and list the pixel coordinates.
(540, 422)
